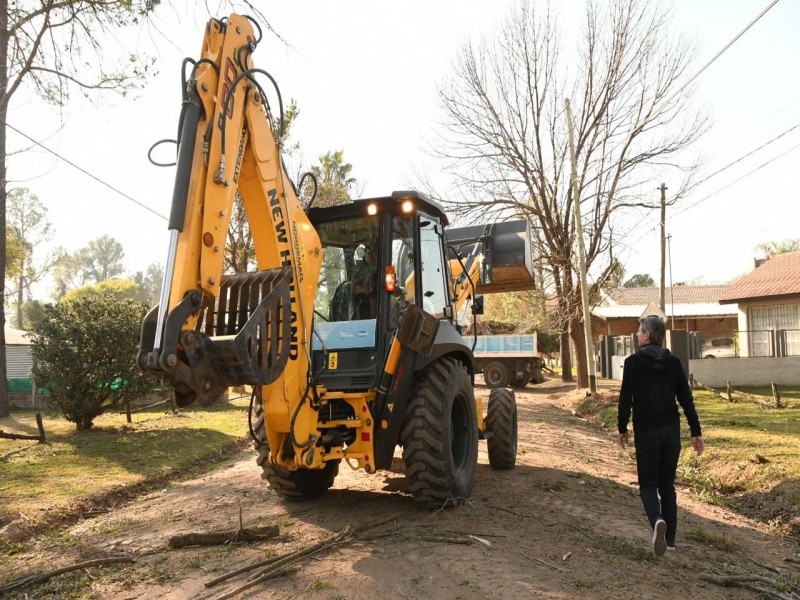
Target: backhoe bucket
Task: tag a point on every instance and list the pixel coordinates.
(241, 337)
(509, 245)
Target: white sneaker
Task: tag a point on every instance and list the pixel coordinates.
(670, 548)
(659, 541)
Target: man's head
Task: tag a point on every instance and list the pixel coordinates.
(651, 330)
(366, 253)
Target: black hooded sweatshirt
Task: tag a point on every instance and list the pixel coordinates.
(651, 381)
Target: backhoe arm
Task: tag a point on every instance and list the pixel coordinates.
(211, 331)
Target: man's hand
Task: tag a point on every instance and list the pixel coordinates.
(623, 441)
(697, 442)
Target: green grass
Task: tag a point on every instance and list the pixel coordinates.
(40, 479)
(722, 542)
(619, 547)
(752, 458)
(789, 393)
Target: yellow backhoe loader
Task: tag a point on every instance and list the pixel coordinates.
(348, 332)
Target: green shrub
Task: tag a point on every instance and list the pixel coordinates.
(84, 351)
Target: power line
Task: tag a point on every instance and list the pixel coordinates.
(84, 171)
(741, 158)
(758, 168)
(738, 160)
(730, 142)
(718, 54)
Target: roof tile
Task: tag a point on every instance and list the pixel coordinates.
(779, 276)
(679, 294)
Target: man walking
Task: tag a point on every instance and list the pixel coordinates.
(651, 381)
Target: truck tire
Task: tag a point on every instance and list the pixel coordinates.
(496, 375)
(440, 435)
(501, 421)
(292, 485)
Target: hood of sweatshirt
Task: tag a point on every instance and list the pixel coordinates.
(654, 358)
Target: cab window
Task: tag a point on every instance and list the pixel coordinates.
(434, 275)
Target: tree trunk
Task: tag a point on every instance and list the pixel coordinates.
(4, 36)
(566, 357)
(578, 338)
(20, 295)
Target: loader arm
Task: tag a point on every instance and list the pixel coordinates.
(464, 281)
(211, 331)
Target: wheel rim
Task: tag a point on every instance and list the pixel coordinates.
(493, 376)
(459, 433)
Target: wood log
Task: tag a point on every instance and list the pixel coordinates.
(31, 579)
(40, 425)
(18, 436)
(776, 394)
(218, 538)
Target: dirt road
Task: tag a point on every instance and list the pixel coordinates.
(566, 523)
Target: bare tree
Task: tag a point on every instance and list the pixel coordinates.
(506, 142)
(52, 47)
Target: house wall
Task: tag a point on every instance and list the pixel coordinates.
(744, 326)
(708, 326)
(739, 371)
(18, 362)
(746, 371)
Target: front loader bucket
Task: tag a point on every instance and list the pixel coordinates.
(241, 337)
(510, 245)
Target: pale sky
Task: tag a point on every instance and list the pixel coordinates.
(364, 74)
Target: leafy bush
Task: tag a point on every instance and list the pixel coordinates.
(84, 352)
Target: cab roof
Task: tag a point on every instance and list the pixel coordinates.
(393, 203)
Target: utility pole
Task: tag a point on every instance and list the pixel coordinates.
(663, 189)
(587, 316)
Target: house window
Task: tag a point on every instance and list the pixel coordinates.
(764, 321)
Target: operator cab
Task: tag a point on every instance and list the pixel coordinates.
(372, 250)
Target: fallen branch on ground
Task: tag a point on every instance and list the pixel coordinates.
(277, 564)
(724, 395)
(31, 579)
(217, 538)
(747, 582)
(767, 567)
(508, 510)
(446, 539)
(544, 562)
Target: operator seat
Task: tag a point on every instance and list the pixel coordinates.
(342, 302)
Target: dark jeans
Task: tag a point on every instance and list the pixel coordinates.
(657, 452)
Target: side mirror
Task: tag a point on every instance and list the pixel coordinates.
(486, 268)
(477, 304)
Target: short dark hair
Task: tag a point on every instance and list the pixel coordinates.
(655, 327)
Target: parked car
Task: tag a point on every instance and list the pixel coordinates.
(723, 347)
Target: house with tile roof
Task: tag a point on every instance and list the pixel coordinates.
(687, 307)
(768, 307)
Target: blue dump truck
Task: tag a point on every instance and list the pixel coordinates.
(508, 360)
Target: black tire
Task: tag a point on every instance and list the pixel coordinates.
(501, 421)
(496, 375)
(520, 383)
(440, 435)
(292, 485)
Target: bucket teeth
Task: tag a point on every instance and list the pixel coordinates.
(243, 336)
